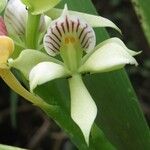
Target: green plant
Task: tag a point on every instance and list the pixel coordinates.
(117, 109)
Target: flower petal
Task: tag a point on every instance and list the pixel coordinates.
(3, 30)
(38, 7)
(83, 107)
(109, 55)
(93, 20)
(118, 41)
(44, 72)
(6, 49)
(33, 57)
(15, 17)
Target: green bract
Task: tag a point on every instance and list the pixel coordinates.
(37, 7)
(2, 5)
(73, 38)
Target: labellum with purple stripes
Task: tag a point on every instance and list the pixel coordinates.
(69, 36)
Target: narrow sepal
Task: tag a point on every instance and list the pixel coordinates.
(33, 57)
(110, 55)
(93, 20)
(83, 107)
(44, 72)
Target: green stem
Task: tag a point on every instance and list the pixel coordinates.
(15, 85)
(32, 30)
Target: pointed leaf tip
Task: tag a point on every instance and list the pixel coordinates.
(110, 55)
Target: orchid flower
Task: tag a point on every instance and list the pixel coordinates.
(74, 39)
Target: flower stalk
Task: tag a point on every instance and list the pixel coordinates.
(32, 31)
(15, 85)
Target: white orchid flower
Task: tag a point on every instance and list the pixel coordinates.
(72, 37)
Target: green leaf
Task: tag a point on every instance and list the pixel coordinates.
(6, 147)
(2, 5)
(38, 7)
(119, 113)
(64, 121)
(143, 13)
(51, 92)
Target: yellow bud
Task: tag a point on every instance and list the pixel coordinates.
(6, 48)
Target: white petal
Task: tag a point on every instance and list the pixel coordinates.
(93, 20)
(118, 41)
(83, 107)
(15, 17)
(33, 57)
(110, 55)
(44, 72)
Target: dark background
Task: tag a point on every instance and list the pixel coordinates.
(31, 129)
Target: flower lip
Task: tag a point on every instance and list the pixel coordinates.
(68, 29)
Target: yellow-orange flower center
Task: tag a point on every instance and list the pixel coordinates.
(70, 39)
